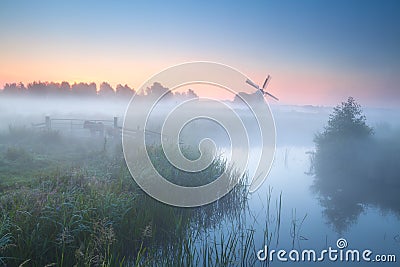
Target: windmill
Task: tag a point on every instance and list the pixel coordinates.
(263, 88)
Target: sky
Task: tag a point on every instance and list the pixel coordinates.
(317, 52)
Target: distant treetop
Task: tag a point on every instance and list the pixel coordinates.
(105, 90)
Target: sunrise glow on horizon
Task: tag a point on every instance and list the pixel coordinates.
(317, 53)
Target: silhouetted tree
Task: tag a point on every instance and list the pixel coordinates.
(345, 176)
(191, 94)
(37, 88)
(124, 91)
(84, 89)
(65, 88)
(105, 90)
(346, 121)
(52, 88)
(182, 96)
(14, 89)
(157, 90)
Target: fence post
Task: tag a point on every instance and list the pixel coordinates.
(48, 122)
(115, 122)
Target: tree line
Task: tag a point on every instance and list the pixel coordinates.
(82, 89)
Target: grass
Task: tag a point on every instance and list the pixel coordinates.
(71, 202)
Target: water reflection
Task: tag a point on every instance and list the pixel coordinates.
(354, 175)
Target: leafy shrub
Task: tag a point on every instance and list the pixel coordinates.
(353, 168)
(346, 121)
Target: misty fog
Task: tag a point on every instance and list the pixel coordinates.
(366, 175)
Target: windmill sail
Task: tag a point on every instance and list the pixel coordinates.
(266, 82)
(263, 91)
(252, 84)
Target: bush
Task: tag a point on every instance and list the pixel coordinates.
(354, 169)
(346, 121)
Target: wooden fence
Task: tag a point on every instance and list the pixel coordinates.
(93, 126)
(96, 127)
